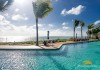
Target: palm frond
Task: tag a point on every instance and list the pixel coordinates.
(91, 26)
(76, 23)
(42, 8)
(82, 24)
(4, 4)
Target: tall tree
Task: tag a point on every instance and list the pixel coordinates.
(41, 9)
(89, 33)
(96, 31)
(90, 27)
(82, 24)
(76, 23)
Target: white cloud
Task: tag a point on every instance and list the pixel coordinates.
(97, 22)
(26, 18)
(51, 25)
(39, 25)
(55, 0)
(16, 10)
(63, 12)
(19, 17)
(9, 29)
(57, 32)
(2, 18)
(74, 11)
(64, 23)
(6, 14)
(5, 23)
(14, 30)
(79, 27)
(64, 27)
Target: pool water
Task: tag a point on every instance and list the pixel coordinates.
(68, 57)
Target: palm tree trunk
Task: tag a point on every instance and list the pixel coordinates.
(74, 33)
(88, 34)
(48, 35)
(81, 33)
(37, 44)
(96, 35)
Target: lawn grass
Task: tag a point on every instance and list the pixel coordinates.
(32, 42)
(17, 43)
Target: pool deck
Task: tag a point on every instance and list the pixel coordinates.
(19, 47)
(41, 46)
(58, 44)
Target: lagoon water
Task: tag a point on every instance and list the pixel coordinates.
(69, 57)
(28, 38)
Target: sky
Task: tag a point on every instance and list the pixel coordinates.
(19, 19)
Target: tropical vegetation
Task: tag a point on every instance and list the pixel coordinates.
(93, 31)
(76, 24)
(89, 32)
(82, 24)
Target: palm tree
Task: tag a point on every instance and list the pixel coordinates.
(4, 4)
(89, 33)
(90, 29)
(91, 26)
(41, 9)
(82, 24)
(76, 23)
(95, 32)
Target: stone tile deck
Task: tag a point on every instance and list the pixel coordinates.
(50, 46)
(56, 45)
(19, 47)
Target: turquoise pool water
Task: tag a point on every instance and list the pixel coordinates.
(69, 57)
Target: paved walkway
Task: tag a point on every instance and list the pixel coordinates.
(51, 46)
(19, 47)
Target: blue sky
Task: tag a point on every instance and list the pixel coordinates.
(19, 19)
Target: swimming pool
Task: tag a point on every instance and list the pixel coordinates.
(68, 57)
